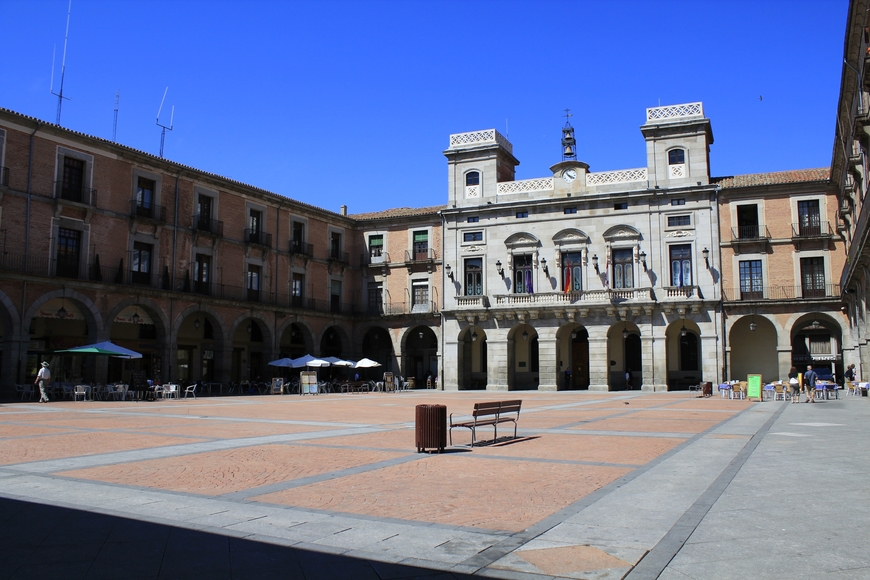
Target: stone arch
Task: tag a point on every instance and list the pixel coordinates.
(161, 319)
(92, 316)
(194, 308)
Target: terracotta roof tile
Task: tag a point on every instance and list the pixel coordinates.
(773, 178)
(397, 213)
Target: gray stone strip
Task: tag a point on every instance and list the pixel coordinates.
(281, 486)
(509, 545)
(652, 565)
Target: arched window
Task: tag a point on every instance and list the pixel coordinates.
(677, 163)
(472, 178)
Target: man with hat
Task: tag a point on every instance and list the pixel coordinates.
(43, 378)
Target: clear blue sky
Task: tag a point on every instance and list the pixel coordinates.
(352, 102)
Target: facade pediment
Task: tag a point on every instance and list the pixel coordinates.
(523, 240)
(622, 233)
(570, 236)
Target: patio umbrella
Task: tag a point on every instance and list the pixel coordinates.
(103, 348)
(281, 362)
(337, 362)
(366, 363)
(308, 361)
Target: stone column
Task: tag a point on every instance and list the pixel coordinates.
(710, 363)
(599, 363)
(498, 359)
(783, 353)
(654, 360)
(548, 371)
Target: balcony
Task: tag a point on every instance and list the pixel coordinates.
(756, 293)
(811, 231)
(750, 234)
(258, 237)
(420, 256)
(334, 255)
(610, 296)
(377, 258)
(301, 248)
(33, 266)
(147, 211)
(205, 224)
(83, 195)
(682, 292)
(478, 301)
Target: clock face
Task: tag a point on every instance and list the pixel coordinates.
(569, 175)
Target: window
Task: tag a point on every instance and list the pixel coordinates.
(751, 282)
(474, 277)
(820, 344)
(522, 214)
(523, 274)
(472, 237)
(140, 263)
(202, 273)
(335, 296)
(623, 269)
(473, 219)
(334, 246)
(297, 241)
(376, 249)
(255, 225)
(572, 272)
(472, 178)
(376, 298)
(681, 265)
(747, 222)
(203, 216)
(679, 220)
(253, 283)
(72, 184)
(623, 205)
(68, 253)
(681, 201)
(677, 163)
(809, 218)
(421, 245)
(297, 290)
(144, 197)
(570, 210)
(420, 296)
(813, 277)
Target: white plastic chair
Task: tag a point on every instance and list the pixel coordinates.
(25, 391)
(80, 391)
(170, 392)
(191, 390)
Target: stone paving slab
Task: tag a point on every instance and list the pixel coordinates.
(603, 485)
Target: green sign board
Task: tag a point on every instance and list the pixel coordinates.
(753, 387)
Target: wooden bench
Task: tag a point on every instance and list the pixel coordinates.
(491, 413)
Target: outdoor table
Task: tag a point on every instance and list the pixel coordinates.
(725, 390)
(769, 390)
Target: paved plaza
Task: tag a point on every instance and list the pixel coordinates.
(597, 485)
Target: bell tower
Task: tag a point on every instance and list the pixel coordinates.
(569, 144)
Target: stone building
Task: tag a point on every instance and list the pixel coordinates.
(209, 278)
(571, 280)
(850, 178)
(781, 259)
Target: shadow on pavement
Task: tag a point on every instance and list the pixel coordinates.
(47, 542)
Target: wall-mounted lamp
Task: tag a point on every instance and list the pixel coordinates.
(816, 325)
(499, 268)
(573, 334)
(196, 324)
(706, 253)
(683, 331)
(61, 312)
(250, 328)
(135, 317)
(449, 271)
(624, 333)
(525, 335)
(595, 263)
(642, 257)
(420, 334)
(752, 325)
(474, 336)
(544, 266)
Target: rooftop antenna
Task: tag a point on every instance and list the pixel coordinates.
(171, 117)
(115, 124)
(59, 95)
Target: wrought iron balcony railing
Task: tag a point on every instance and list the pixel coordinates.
(301, 248)
(147, 211)
(77, 194)
(753, 293)
(203, 223)
(334, 255)
(258, 237)
(750, 233)
(427, 255)
(374, 259)
(812, 230)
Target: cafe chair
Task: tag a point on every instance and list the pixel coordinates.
(25, 391)
(80, 391)
(191, 390)
(779, 392)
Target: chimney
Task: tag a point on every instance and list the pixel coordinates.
(344, 210)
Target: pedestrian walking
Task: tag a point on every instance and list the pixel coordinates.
(810, 384)
(794, 385)
(43, 379)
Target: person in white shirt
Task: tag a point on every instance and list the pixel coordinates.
(43, 378)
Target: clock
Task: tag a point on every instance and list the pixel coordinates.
(569, 175)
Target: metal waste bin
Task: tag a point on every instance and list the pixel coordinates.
(431, 427)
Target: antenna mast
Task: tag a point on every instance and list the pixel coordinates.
(59, 95)
(115, 124)
(171, 117)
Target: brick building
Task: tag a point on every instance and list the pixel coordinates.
(208, 278)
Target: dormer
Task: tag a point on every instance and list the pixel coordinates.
(678, 139)
(477, 162)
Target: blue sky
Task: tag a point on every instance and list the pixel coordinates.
(352, 102)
